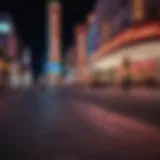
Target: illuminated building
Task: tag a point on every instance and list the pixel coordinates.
(92, 29)
(53, 65)
(121, 14)
(134, 35)
(8, 42)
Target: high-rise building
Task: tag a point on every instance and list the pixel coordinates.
(53, 66)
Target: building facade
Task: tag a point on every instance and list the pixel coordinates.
(121, 14)
(134, 34)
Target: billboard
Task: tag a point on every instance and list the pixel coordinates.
(54, 33)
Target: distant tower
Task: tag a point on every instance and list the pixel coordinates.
(53, 67)
(81, 49)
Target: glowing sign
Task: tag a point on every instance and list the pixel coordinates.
(132, 34)
(138, 9)
(4, 27)
(55, 68)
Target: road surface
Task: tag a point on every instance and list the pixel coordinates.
(47, 124)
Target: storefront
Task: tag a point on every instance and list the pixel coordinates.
(141, 46)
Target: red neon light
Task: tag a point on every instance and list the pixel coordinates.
(132, 34)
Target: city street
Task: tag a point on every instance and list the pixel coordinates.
(64, 124)
(138, 104)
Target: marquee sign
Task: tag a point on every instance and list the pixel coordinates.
(132, 34)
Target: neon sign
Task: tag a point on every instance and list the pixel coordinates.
(132, 34)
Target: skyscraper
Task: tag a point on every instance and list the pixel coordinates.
(53, 66)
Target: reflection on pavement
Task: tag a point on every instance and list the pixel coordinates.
(120, 132)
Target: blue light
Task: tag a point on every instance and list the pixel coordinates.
(4, 27)
(52, 67)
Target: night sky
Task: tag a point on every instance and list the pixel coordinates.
(29, 17)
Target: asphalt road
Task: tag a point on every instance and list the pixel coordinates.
(45, 124)
(143, 106)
